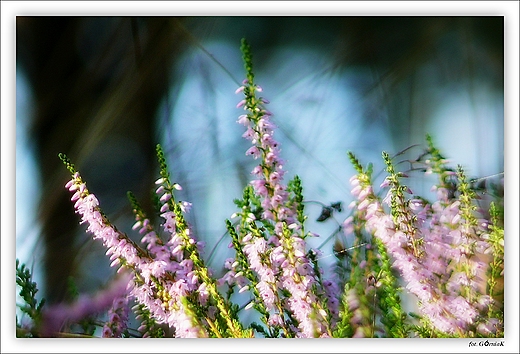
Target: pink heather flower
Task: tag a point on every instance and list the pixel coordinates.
(164, 208)
(271, 157)
(267, 294)
(490, 327)
(243, 289)
(241, 104)
(160, 180)
(302, 310)
(388, 198)
(354, 180)
(280, 262)
(244, 120)
(277, 257)
(442, 193)
(385, 183)
(253, 151)
(184, 326)
(228, 278)
(170, 224)
(203, 294)
(277, 200)
(254, 250)
(363, 205)
(257, 170)
(267, 140)
(275, 320)
(348, 226)
(365, 192)
(250, 134)
(352, 300)
(117, 318)
(160, 190)
(259, 186)
(165, 197)
(333, 293)
(71, 185)
(462, 310)
(265, 124)
(275, 177)
(186, 207)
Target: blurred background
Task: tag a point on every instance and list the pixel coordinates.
(106, 90)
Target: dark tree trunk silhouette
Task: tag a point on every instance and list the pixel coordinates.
(96, 83)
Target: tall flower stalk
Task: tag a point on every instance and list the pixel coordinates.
(272, 240)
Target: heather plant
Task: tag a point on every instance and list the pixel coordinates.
(446, 255)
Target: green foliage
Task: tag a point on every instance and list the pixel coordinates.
(66, 161)
(393, 317)
(28, 289)
(247, 57)
(495, 280)
(295, 188)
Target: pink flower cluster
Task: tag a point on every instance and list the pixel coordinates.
(163, 275)
(117, 318)
(279, 259)
(444, 267)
